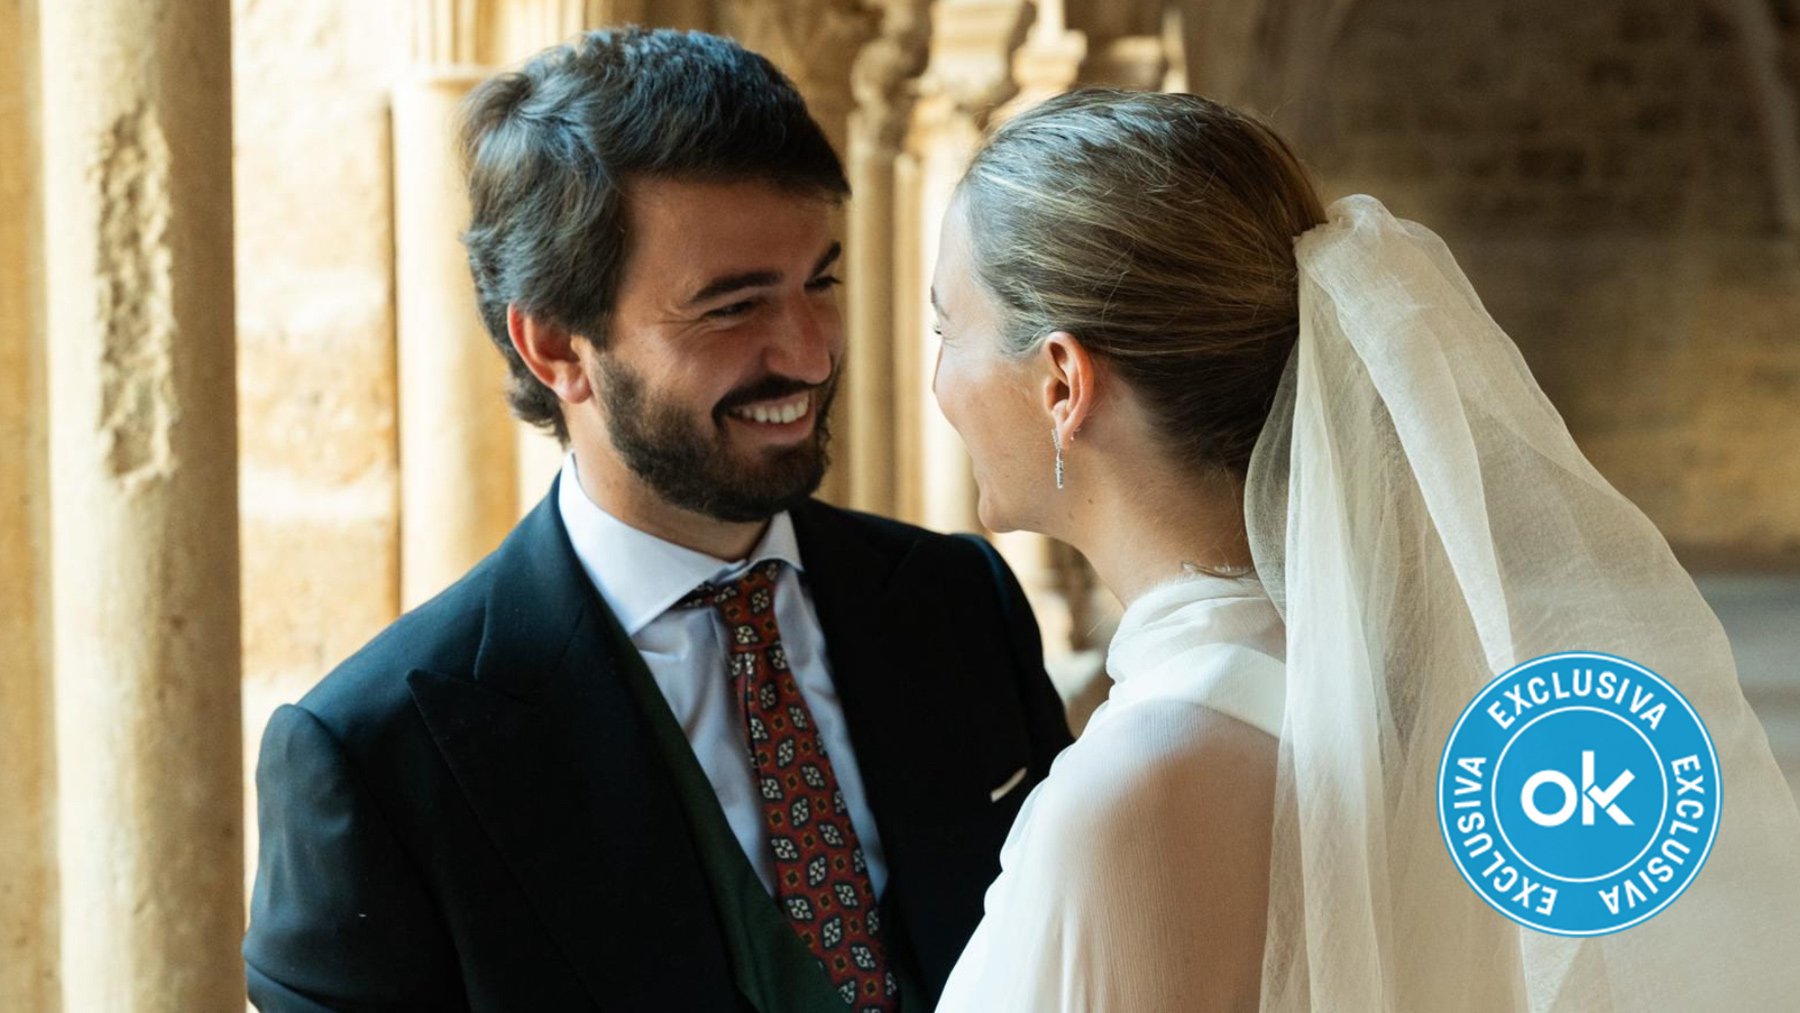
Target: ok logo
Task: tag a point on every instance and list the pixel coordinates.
(1590, 796)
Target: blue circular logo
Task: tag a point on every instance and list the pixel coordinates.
(1579, 794)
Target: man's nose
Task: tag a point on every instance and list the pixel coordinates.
(805, 348)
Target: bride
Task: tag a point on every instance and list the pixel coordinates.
(1335, 504)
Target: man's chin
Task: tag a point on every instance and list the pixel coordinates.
(764, 483)
(788, 479)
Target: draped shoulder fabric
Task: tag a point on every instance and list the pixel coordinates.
(1104, 901)
(1424, 521)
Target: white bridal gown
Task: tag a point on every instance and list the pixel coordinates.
(1134, 879)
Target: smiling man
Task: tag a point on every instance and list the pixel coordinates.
(689, 739)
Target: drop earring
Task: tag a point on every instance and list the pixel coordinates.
(1056, 438)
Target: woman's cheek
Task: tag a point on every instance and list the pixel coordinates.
(949, 384)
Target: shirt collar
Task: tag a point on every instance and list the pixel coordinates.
(640, 575)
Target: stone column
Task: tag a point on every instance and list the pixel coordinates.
(458, 444)
(524, 28)
(944, 486)
(27, 774)
(1117, 45)
(968, 74)
(1125, 43)
(136, 132)
(815, 43)
(1048, 62)
(882, 80)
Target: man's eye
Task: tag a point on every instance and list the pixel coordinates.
(736, 309)
(824, 283)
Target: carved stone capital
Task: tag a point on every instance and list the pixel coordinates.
(524, 27)
(815, 42)
(970, 70)
(441, 35)
(884, 77)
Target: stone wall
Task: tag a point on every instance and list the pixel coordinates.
(1537, 116)
(1600, 171)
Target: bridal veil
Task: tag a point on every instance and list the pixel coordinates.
(1422, 518)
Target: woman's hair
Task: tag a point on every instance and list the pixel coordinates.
(1159, 230)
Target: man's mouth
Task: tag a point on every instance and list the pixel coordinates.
(779, 413)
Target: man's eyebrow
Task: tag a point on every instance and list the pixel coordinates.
(731, 283)
(754, 279)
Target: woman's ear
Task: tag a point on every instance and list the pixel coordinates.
(550, 352)
(1071, 384)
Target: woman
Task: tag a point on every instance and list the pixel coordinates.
(1335, 505)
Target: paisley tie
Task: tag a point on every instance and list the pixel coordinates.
(821, 880)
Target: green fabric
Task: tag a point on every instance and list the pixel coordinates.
(772, 967)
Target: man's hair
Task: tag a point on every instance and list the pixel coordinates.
(549, 149)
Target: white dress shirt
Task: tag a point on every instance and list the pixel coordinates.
(640, 576)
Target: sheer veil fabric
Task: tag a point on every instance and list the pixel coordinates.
(1423, 520)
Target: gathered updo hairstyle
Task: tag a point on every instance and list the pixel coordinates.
(1159, 230)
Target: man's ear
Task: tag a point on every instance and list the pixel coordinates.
(550, 352)
(1071, 385)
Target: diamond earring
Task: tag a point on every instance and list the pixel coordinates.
(1056, 438)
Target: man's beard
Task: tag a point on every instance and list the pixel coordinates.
(694, 469)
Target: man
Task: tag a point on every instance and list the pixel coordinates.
(689, 739)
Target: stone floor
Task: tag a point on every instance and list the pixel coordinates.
(1761, 615)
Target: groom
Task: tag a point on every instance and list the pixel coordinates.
(689, 739)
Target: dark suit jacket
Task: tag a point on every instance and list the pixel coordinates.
(469, 814)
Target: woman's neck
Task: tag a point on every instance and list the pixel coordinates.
(1140, 527)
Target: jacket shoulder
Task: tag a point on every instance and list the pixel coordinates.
(441, 635)
(894, 538)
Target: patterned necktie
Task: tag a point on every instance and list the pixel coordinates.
(821, 880)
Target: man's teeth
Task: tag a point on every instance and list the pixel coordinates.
(775, 411)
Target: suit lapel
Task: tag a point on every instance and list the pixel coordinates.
(553, 755)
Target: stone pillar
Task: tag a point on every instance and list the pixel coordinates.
(1118, 45)
(815, 43)
(1125, 43)
(136, 132)
(524, 28)
(458, 444)
(945, 484)
(882, 81)
(28, 948)
(968, 74)
(989, 60)
(1048, 62)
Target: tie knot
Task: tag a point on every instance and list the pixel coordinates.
(749, 596)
